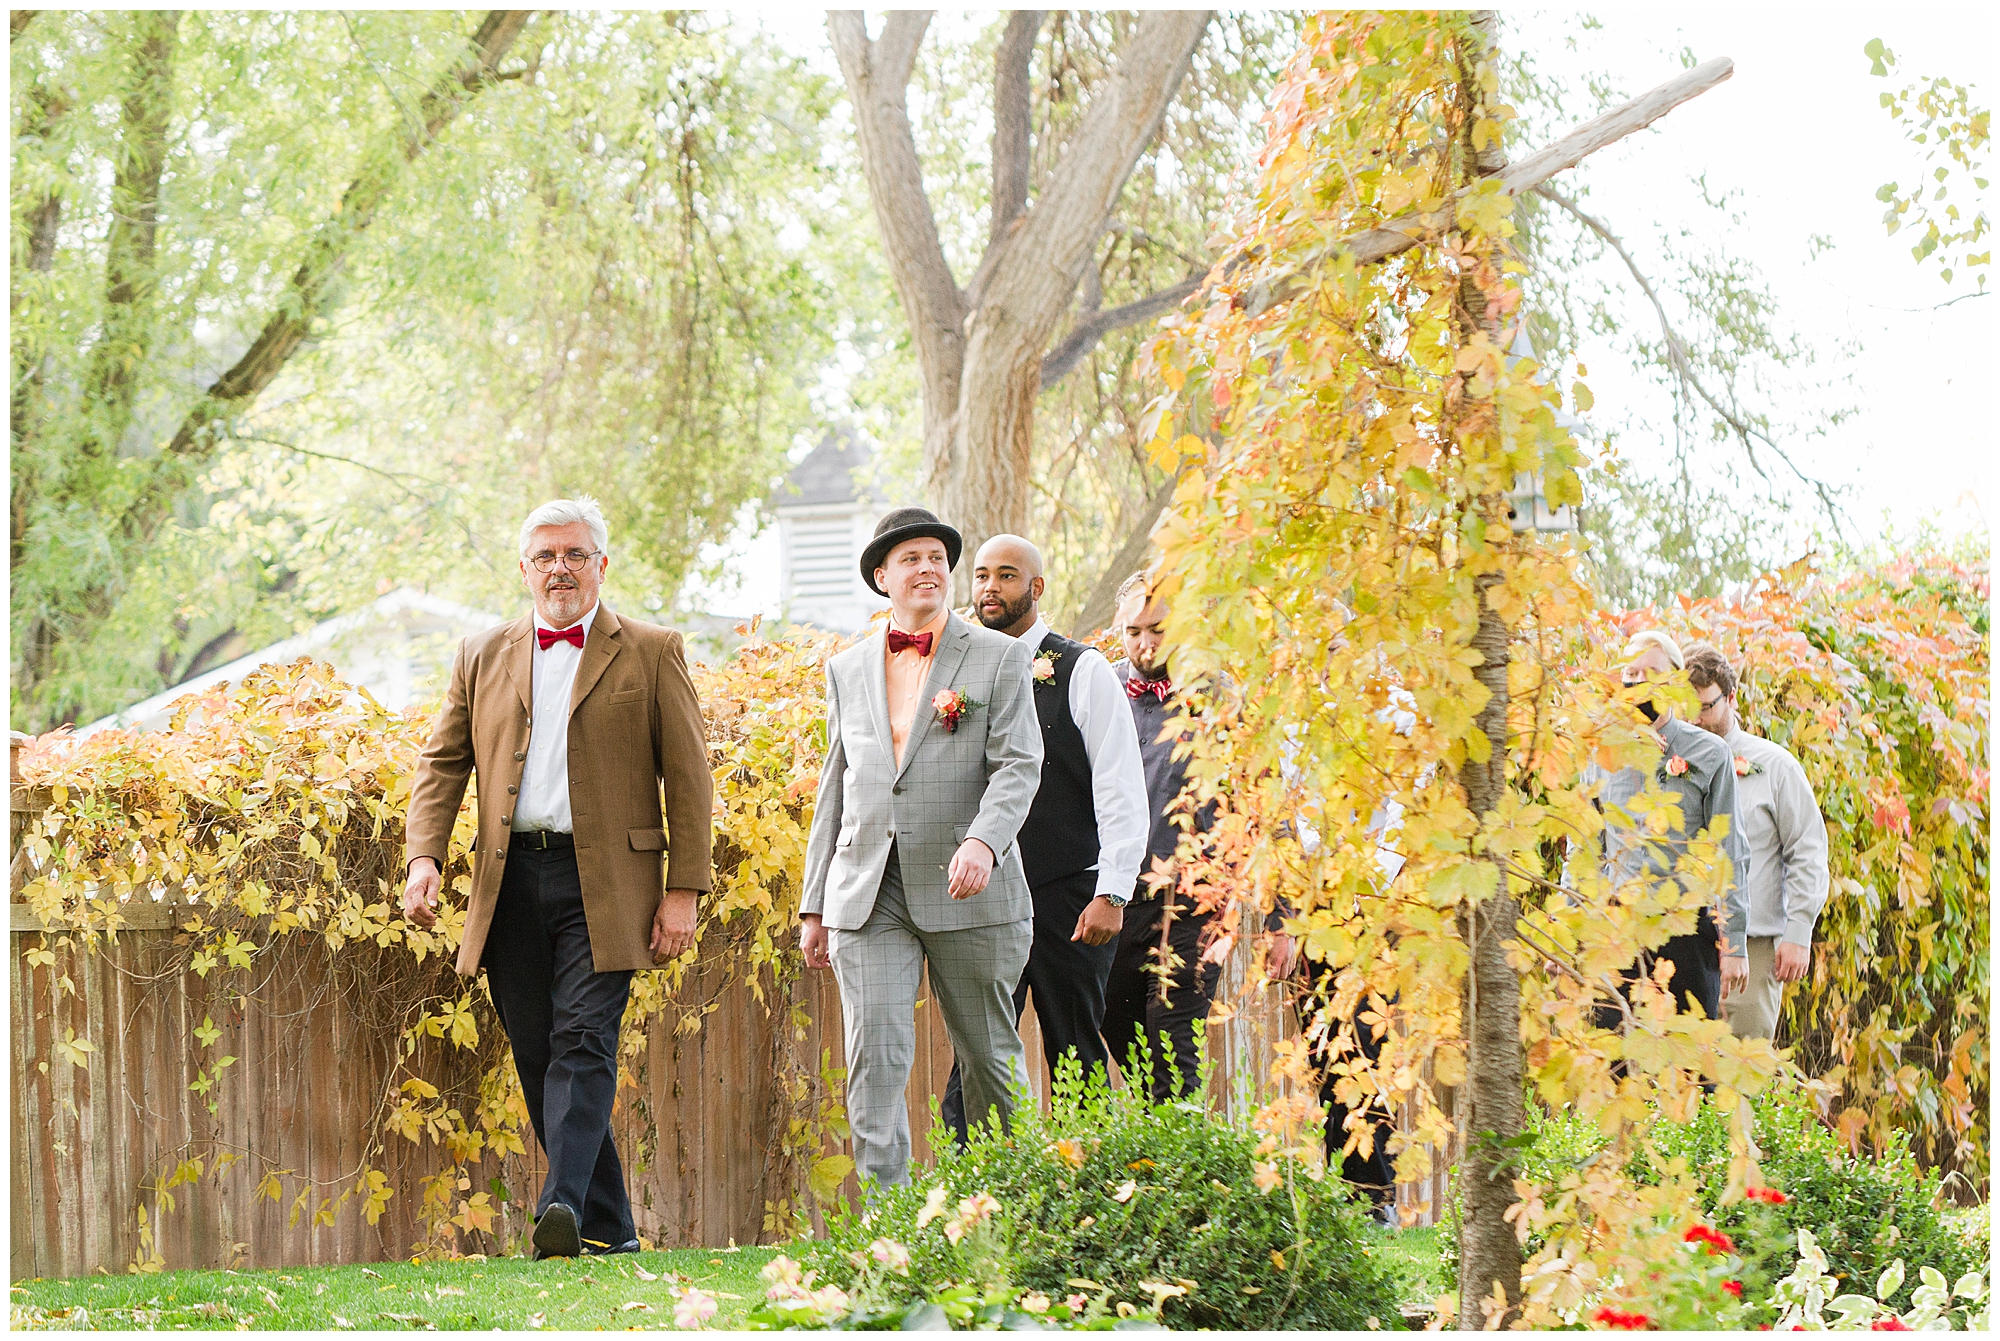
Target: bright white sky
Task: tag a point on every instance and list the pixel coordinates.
(1799, 133)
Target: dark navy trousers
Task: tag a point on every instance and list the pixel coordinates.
(562, 1021)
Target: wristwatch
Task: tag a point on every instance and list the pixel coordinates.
(1119, 900)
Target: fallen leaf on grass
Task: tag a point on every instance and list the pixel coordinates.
(642, 1273)
(410, 1320)
(1126, 1191)
(342, 1323)
(638, 1304)
(534, 1320)
(371, 1271)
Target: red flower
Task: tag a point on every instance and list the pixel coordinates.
(1733, 1288)
(1714, 1239)
(1676, 766)
(1892, 1323)
(1770, 1194)
(1621, 1322)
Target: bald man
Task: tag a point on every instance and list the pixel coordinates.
(1085, 836)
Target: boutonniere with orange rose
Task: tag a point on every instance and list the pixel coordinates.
(1745, 769)
(1045, 667)
(1675, 767)
(952, 704)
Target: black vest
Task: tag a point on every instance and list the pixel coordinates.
(1059, 837)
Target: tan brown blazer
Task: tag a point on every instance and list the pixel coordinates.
(634, 725)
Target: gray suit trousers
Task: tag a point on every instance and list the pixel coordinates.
(972, 974)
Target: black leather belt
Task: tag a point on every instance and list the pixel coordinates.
(539, 840)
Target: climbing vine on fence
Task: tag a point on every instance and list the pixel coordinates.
(1879, 682)
(271, 815)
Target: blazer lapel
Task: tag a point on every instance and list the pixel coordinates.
(957, 637)
(599, 646)
(875, 681)
(520, 661)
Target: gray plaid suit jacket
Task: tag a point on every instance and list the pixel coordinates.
(975, 782)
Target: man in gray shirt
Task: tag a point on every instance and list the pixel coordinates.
(1781, 823)
(1694, 766)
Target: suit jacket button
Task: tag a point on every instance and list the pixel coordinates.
(897, 790)
(499, 851)
(510, 790)
(507, 820)
(892, 835)
(519, 755)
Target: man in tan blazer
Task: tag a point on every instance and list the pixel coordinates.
(576, 721)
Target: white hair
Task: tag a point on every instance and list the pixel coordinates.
(1656, 638)
(563, 511)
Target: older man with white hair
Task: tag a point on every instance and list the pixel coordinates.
(1694, 767)
(577, 723)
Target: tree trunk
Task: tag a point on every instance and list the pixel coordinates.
(980, 350)
(112, 382)
(1489, 1253)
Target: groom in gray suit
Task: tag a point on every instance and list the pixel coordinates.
(933, 757)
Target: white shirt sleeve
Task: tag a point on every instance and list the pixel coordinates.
(1117, 777)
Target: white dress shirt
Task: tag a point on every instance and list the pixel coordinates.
(544, 799)
(1117, 777)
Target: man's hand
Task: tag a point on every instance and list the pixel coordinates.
(673, 924)
(971, 867)
(1735, 974)
(1100, 921)
(420, 893)
(1791, 961)
(812, 941)
(1282, 955)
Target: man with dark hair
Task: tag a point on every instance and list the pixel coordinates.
(1085, 835)
(1781, 823)
(1694, 767)
(1163, 937)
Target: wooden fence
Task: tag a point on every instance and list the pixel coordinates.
(699, 1131)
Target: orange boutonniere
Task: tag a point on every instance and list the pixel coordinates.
(1045, 667)
(1676, 766)
(1744, 768)
(952, 704)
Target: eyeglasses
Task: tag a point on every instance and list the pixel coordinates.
(572, 560)
(1708, 704)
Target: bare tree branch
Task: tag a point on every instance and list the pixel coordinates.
(1400, 234)
(877, 75)
(18, 22)
(1059, 362)
(1679, 358)
(1011, 134)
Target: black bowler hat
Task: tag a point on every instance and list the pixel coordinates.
(907, 524)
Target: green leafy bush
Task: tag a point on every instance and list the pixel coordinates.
(1134, 1206)
(1865, 1213)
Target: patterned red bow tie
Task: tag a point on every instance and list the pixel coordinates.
(898, 640)
(548, 638)
(1159, 689)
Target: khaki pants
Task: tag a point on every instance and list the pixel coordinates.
(1753, 1012)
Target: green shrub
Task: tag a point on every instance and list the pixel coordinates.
(1127, 1201)
(1864, 1212)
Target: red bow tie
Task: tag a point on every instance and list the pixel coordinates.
(898, 640)
(1159, 689)
(548, 638)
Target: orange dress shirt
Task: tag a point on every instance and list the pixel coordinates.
(904, 674)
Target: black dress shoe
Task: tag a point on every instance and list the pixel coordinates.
(555, 1233)
(607, 1249)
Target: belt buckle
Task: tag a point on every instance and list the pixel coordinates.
(538, 839)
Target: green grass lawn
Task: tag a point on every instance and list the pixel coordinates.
(578, 1295)
(571, 1295)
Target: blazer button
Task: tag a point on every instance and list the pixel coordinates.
(897, 790)
(519, 755)
(499, 851)
(892, 834)
(507, 820)
(510, 790)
